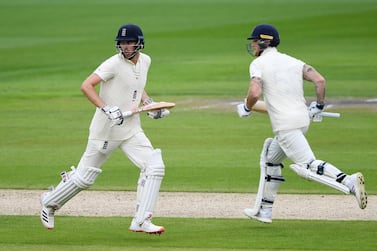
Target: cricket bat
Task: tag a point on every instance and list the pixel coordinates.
(150, 107)
(260, 106)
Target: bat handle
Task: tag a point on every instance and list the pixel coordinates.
(127, 114)
(330, 114)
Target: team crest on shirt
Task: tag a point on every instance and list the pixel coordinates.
(124, 32)
(134, 96)
(105, 144)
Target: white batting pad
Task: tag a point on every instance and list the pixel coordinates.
(148, 199)
(139, 191)
(155, 165)
(328, 169)
(262, 177)
(72, 184)
(147, 195)
(271, 185)
(323, 179)
(85, 176)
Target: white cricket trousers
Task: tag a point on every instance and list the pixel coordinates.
(138, 148)
(295, 145)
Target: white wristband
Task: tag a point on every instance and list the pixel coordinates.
(105, 108)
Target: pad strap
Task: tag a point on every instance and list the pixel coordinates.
(271, 164)
(323, 179)
(270, 178)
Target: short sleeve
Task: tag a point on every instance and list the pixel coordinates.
(106, 70)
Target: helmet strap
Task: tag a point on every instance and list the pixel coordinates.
(263, 43)
(137, 49)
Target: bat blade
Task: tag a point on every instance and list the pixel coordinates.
(156, 106)
(150, 107)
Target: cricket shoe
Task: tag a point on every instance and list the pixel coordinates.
(147, 227)
(355, 183)
(47, 214)
(264, 214)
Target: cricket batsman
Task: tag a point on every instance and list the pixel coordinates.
(279, 78)
(122, 79)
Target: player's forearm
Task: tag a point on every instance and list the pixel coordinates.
(145, 99)
(254, 93)
(94, 98)
(90, 92)
(318, 80)
(250, 101)
(88, 88)
(320, 90)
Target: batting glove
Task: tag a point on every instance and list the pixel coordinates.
(243, 111)
(315, 111)
(148, 101)
(114, 114)
(158, 114)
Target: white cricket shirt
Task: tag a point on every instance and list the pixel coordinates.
(282, 85)
(123, 84)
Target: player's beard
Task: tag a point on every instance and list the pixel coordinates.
(130, 54)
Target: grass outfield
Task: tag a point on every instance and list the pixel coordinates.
(48, 47)
(110, 233)
(33, 156)
(45, 117)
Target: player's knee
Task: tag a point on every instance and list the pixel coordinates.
(275, 155)
(273, 169)
(85, 176)
(274, 173)
(271, 158)
(155, 164)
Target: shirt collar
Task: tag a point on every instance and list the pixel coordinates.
(268, 50)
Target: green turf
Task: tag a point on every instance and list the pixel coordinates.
(111, 233)
(48, 47)
(198, 52)
(196, 144)
(197, 46)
